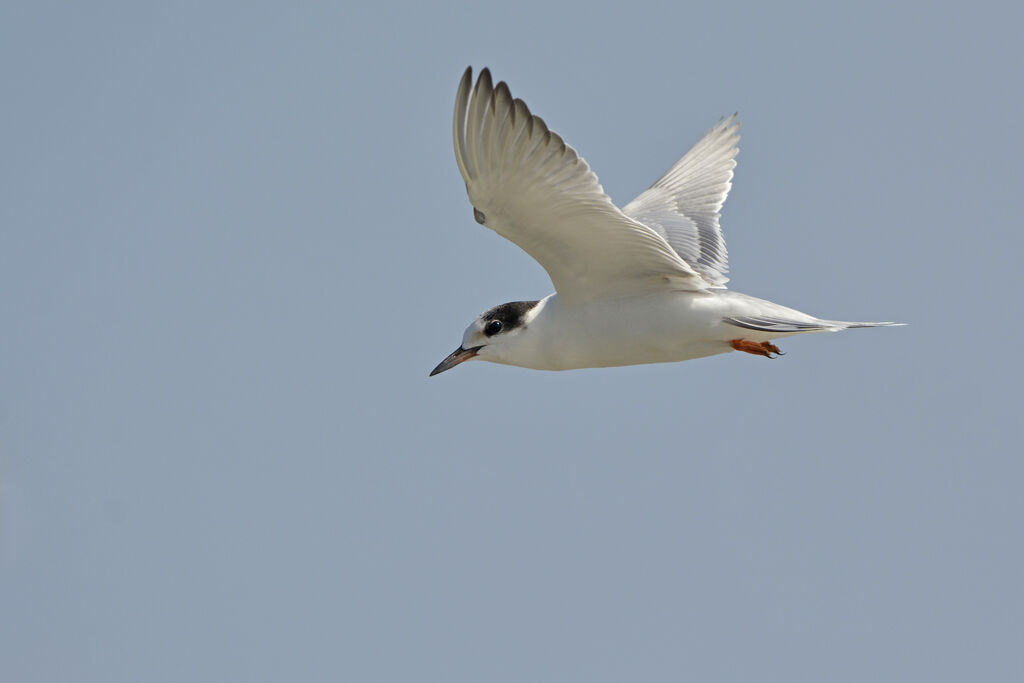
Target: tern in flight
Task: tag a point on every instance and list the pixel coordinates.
(640, 284)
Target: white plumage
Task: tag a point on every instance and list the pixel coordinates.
(643, 284)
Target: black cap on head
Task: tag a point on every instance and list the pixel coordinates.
(510, 315)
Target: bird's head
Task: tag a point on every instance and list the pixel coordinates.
(495, 335)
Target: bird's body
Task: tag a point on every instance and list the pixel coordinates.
(653, 327)
(642, 284)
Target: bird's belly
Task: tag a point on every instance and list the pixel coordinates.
(657, 329)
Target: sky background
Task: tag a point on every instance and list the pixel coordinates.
(234, 241)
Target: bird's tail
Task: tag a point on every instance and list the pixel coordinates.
(785, 326)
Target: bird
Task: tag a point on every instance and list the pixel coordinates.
(642, 284)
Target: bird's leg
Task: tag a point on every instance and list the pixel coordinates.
(765, 348)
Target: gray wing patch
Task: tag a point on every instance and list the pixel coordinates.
(768, 324)
(765, 323)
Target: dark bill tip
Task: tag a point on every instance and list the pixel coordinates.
(459, 355)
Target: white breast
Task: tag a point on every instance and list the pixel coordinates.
(651, 328)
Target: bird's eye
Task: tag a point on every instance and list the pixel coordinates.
(492, 328)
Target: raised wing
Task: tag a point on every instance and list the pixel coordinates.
(530, 187)
(683, 207)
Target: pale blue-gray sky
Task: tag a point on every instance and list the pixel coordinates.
(234, 240)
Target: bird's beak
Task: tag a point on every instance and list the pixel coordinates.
(457, 356)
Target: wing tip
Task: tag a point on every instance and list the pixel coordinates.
(462, 98)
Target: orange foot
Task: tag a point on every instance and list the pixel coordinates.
(765, 349)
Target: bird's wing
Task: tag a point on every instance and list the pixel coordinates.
(683, 207)
(530, 187)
